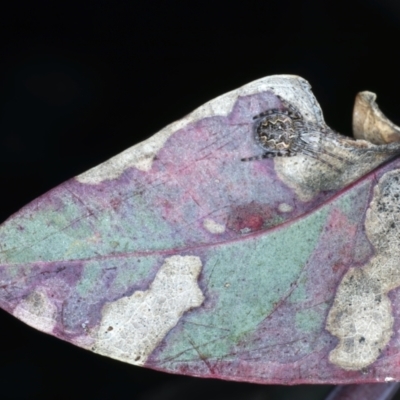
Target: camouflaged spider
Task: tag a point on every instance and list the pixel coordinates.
(284, 133)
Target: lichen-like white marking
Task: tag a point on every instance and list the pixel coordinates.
(361, 315)
(213, 227)
(37, 311)
(132, 327)
(283, 207)
(141, 156)
(389, 379)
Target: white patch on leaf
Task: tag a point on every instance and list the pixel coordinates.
(132, 327)
(283, 207)
(37, 311)
(361, 315)
(213, 227)
(141, 156)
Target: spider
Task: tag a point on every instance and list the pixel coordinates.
(284, 133)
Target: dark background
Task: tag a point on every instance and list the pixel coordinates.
(82, 81)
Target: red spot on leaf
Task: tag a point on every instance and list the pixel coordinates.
(249, 218)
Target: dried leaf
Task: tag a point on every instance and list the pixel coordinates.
(370, 123)
(247, 241)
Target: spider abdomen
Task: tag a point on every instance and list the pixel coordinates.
(275, 132)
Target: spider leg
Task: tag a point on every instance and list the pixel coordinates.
(259, 157)
(292, 110)
(267, 154)
(328, 153)
(313, 154)
(265, 113)
(332, 137)
(336, 156)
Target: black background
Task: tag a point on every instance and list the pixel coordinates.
(82, 81)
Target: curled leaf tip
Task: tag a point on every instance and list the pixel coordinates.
(369, 123)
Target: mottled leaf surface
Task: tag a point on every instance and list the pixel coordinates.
(178, 256)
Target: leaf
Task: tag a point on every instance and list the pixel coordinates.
(182, 255)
